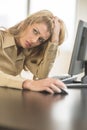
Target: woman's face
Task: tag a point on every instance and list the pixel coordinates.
(34, 35)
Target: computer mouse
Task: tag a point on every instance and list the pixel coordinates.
(64, 91)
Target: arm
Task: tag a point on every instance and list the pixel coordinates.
(40, 65)
(49, 84)
(10, 81)
(45, 65)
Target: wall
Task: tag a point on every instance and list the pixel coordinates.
(12, 12)
(81, 10)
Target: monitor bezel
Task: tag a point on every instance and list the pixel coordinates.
(77, 65)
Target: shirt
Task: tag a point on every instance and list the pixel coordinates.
(12, 64)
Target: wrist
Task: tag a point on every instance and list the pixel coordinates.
(55, 40)
(26, 84)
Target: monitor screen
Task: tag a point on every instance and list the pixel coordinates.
(79, 54)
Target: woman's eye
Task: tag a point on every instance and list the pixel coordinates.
(35, 31)
(41, 40)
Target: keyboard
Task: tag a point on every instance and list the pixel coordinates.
(66, 78)
(71, 82)
(62, 77)
(69, 79)
(76, 85)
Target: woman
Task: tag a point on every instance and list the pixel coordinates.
(31, 45)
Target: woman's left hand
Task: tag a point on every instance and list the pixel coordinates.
(56, 29)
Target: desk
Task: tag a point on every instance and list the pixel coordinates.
(25, 110)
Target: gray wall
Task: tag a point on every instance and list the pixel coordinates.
(81, 8)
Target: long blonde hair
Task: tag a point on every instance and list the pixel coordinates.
(38, 17)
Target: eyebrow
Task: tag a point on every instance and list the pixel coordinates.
(40, 33)
(37, 29)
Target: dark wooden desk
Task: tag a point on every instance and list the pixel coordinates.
(25, 110)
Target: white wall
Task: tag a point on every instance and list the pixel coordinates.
(12, 11)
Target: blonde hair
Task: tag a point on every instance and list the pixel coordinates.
(43, 16)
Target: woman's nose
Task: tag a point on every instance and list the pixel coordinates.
(35, 39)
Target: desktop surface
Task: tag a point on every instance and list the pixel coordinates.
(25, 110)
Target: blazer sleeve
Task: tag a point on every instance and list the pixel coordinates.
(42, 64)
(10, 81)
(7, 80)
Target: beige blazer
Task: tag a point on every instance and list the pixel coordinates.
(12, 64)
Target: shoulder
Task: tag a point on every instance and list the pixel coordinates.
(3, 34)
(1, 37)
(6, 39)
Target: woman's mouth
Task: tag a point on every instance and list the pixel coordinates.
(28, 45)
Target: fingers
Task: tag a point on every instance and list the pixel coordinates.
(52, 89)
(56, 21)
(55, 88)
(49, 90)
(60, 84)
(56, 30)
(55, 85)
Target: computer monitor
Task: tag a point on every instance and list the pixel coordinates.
(78, 62)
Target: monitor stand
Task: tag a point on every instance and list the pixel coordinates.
(82, 83)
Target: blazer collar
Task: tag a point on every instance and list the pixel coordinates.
(8, 41)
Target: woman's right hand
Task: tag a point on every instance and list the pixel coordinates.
(50, 85)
